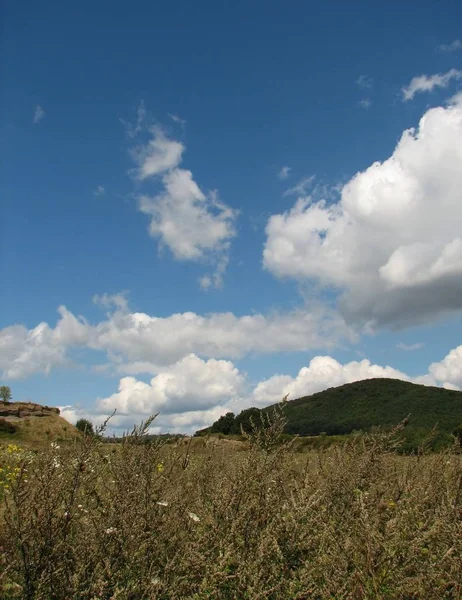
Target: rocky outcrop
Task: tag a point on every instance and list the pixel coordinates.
(26, 409)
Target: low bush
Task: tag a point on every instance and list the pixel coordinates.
(7, 426)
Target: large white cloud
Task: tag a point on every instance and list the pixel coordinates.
(189, 384)
(449, 370)
(24, 352)
(323, 372)
(187, 396)
(138, 337)
(393, 241)
(142, 343)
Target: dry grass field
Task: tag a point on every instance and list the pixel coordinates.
(230, 521)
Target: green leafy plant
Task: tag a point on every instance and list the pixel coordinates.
(85, 426)
(5, 394)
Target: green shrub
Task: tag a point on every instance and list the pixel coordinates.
(85, 426)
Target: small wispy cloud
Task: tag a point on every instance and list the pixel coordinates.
(100, 190)
(118, 300)
(365, 82)
(39, 113)
(365, 103)
(427, 83)
(284, 173)
(454, 46)
(301, 188)
(177, 119)
(205, 282)
(133, 129)
(409, 347)
(215, 279)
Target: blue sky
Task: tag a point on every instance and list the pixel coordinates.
(194, 183)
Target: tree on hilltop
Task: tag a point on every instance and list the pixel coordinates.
(224, 424)
(5, 394)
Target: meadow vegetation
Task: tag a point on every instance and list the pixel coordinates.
(229, 520)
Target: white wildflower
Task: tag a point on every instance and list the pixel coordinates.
(193, 517)
(111, 530)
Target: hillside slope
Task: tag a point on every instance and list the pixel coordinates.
(32, 424)
(374, 402)
(361, 406)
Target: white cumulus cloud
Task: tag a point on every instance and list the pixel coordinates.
(189, 384)
(193, 225)
(193, 393)
(323, 372)
(136, 342)
(449, 370)
(24, 352)
(142, 340)
(183, 218)
(392, 243)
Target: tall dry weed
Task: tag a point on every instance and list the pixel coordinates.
(137, 520)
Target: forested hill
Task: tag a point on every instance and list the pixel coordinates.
(361, 406)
